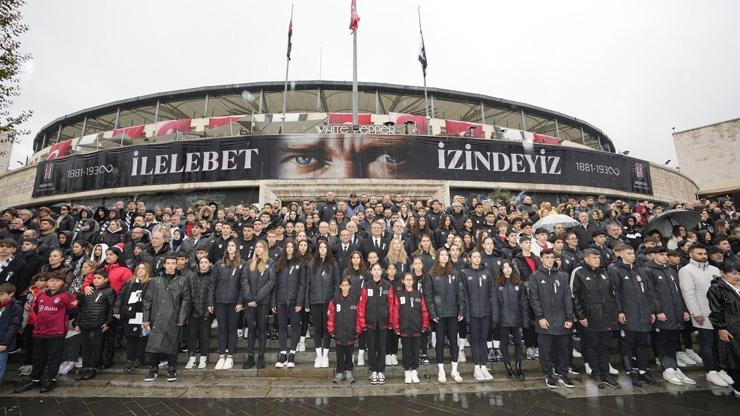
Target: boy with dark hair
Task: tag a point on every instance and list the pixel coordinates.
(95, 317)
(53, 308)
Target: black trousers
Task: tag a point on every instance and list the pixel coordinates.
(344, 358)
(47, 354)
(666, 341)
(286, 315)
(598, 351)
(110, 339)
(376, 345)
(554, 353)
(321, 335)
(156, 357)
(686, 332)
(447, 327)
(92, 346)
(410, 359)
(136, 347)
(637, 343)
(734, 374)
(227, 325)
(199, 335)
(28, 345)
(392, 342)
(257, 320)
(516, 334)
(478, 335)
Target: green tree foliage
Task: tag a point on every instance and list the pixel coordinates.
(11, 63)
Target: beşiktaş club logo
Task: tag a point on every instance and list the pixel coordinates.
(48, 171)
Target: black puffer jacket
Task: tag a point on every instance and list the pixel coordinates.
(445, 295)
(199, 283)
(668, 298)
(570, 259)
(550, 297)
(95, 310)
(320, 284)
(594, 298)
(635, 296)
(225, 286)
(513, 304)
(257, 285)
(290, 284)
(479, 288)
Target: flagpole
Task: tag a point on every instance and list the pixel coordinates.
(426, 98)
(287, 68)
(354, 78)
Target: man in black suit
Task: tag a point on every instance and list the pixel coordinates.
(355, 238)
(342, 249)
(375, 241)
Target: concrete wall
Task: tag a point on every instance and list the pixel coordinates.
(6, 146)
(710, 155)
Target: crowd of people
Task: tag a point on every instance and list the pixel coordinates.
(372, 273)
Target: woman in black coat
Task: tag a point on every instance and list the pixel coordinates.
(724, 301)
(321, 281)
(128, 309)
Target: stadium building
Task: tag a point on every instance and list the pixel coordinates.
(232, 143)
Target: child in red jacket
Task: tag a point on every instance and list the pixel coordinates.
(52, 307)
(410, 319)
(346, 321)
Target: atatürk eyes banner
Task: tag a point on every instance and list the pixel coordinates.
(340, 156)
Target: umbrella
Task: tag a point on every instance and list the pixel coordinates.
(549, 221)
(667, 220)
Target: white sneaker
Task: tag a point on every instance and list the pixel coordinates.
(530, 353)
(670, 375)
(228, 363)
(477, 374)
(239, 333)
(613, 371)
(361, 358)
(684, 379)
(726, 377)
(78, 363)
(414, 377)
(714, 378)
(588, 368)
(388, 359)
(441, 376)
(191, 363)
(66, 367)
(486, 374)
(577, 354)
(301, 347)
(407, 377)
(202, 363)
(394, 359)
(25, 370)
(461, 356)
(694, 356)
(220, 363)
(456, 376)
(536, 352)
(214, 324)
(325, 359)
(683, 359)
(319, 360)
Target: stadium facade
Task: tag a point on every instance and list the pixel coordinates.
(231, 143)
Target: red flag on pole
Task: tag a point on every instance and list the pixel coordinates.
(354, 18)
(60, 149)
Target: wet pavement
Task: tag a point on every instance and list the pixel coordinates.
(527, 402)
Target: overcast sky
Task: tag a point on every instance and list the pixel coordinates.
(634, 69)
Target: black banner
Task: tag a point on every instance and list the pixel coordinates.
(340, 156)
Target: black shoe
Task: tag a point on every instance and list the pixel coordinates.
(261, 361)
(519, 373)
(567, 382)
(509, 371)
(291, 358)
(91, 374)
(137, 365)
(598, 381)
(635, 379)
(550, 381)
(648, 378)
(152, 374)
(83, 374)
(28, 386)
(423, 359)
(491, 355)
(609, 381)
(573, 371)
(48, 386)
(171, 373)
(249, 363)
(497, 356)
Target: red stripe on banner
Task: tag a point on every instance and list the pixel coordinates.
(172, 126)
(461, 128)
(346, 118)
(541, 138)
(133, 132)
(400, 118)
(60, 149)
(214, 122)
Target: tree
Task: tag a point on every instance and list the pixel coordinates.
(11, 62)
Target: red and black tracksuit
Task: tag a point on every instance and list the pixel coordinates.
(345, 321)
(52, 316)
(410, 319)
(379, 298)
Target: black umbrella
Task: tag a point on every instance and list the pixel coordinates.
(669, 219)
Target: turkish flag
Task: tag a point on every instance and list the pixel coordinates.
(60, 149)
(400, 119)
(133, 132)
(172, 126)
(461, 128)
(214, 122)
(346, 118)
(354, 20)
(541, 138)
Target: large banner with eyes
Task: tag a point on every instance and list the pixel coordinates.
(298, 157)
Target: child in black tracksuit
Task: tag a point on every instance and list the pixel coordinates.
(391, 351)
(410, 319)
(513, 306)
(95, 317)
(379, 297)
(345, 322)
